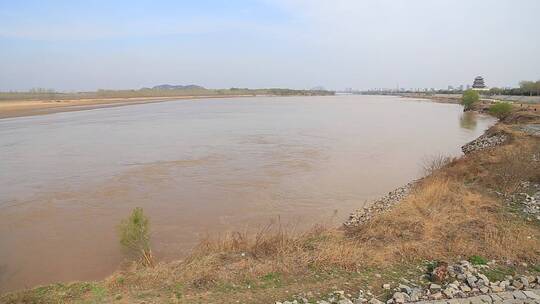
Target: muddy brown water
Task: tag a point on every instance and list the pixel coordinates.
(201, 167)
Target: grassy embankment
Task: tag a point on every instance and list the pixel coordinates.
(452, 214)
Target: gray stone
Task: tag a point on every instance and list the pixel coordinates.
(405, 288)
(519, 295)
(471, 280)
(531, 294)
(497, 289)
(375, 301)
(415, 295)
(449, 292)
(512, 301)
(465, 288)
(386, 286)
(486, 298)
(517, 284)
(524, 281)
(454, 285)
(436, 296)
(496, 298)
(475, 300)
(435, 287)
(484, 278)
(506, 295)
(460, 294)
(400, 297)
(345, 301)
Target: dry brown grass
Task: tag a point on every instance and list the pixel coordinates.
(444, 220)
(237, 257)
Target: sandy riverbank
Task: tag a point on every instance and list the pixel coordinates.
(21, 108)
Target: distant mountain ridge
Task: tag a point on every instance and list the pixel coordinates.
(178, 87)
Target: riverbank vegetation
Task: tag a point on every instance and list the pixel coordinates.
(462, 210)
(134, 235)
(469, 99)
(500, 110)
(526, 87)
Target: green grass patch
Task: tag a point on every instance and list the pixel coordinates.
(478, 260)
(227, 287)
(99, 293)
(498, 273)
(271, 280)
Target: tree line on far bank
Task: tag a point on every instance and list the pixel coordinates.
(530, 88)
(526, 88)
(51, 94)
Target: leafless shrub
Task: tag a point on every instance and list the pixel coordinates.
(434, 163)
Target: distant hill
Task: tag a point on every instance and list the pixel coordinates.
(178, 87)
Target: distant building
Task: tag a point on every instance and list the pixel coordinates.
(479, 84)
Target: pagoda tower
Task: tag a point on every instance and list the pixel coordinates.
(479, 84)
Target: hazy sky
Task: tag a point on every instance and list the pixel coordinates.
(85, 45)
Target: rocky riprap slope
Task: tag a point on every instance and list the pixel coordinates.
(529, 203)
(378, 206)
(465, 283)
(526, 199)
(531, 129)
(483, 142)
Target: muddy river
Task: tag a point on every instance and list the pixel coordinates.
(201, 167)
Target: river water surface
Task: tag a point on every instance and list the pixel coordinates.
(202, 167)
